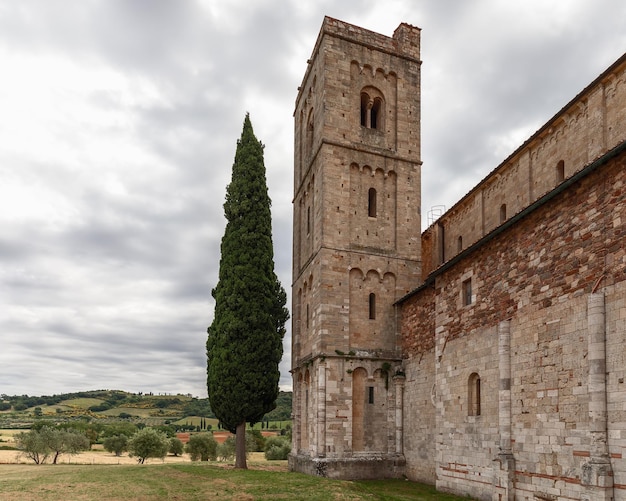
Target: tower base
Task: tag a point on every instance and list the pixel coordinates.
(355, 468)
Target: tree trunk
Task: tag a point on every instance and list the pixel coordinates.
(240, 446)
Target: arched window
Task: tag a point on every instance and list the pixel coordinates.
(473, 395)
(560, 171)
(372, 108)
(372, 306)
(503, 213)
(459, 244)
(371, 202)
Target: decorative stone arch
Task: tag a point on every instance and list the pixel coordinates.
(369, 410)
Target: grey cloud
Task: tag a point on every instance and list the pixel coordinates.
(117, 288)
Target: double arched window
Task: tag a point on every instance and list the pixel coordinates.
(372, 108)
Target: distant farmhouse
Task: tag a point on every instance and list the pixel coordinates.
(488, 354)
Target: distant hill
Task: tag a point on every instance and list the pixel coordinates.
(111, 405)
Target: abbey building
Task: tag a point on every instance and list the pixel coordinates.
(486, 354)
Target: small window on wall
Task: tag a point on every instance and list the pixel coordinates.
(467, 292)
(309, 134)
(473, 395)
(372, 306)
(503, 213)
(308, 220)
(560, 171)
(370, 394)
(459, 244)
(371, 202)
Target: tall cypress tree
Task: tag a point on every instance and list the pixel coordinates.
(244, 345)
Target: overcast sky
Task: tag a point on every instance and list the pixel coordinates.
(118, 128)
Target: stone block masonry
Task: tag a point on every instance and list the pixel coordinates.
(486, 355)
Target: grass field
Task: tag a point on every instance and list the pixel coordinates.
(195, 481)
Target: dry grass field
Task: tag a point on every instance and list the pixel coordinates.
(98, 474)
(96, 456)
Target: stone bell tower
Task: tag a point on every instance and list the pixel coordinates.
(356, 248)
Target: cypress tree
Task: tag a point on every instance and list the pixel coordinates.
(244, 345)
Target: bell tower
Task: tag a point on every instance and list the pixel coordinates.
(356, 247)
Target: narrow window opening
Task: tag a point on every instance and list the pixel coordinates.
(370, 395)
(372, 306)
(459, 245)
(308, 220)
(309, 134)
(364, 108)
(307, 316)
(375, 113)
(467, 292)
(371, 202)
(503, 213)
(473, 395)
(560, 171)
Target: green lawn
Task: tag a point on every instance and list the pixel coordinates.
(193, 481)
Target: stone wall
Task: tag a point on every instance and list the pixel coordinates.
(356, 247)
(591, 124)
(536, 274)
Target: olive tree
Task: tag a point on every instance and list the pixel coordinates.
(41, 444)
(148, 443)
(202, 446)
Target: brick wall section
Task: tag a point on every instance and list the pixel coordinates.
(551, 254)
(537, 273)
(419, 311)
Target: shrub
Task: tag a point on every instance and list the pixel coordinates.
(277, 448)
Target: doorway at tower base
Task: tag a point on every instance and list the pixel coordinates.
(355, 468)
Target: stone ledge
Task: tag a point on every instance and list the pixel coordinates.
(355, 468)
